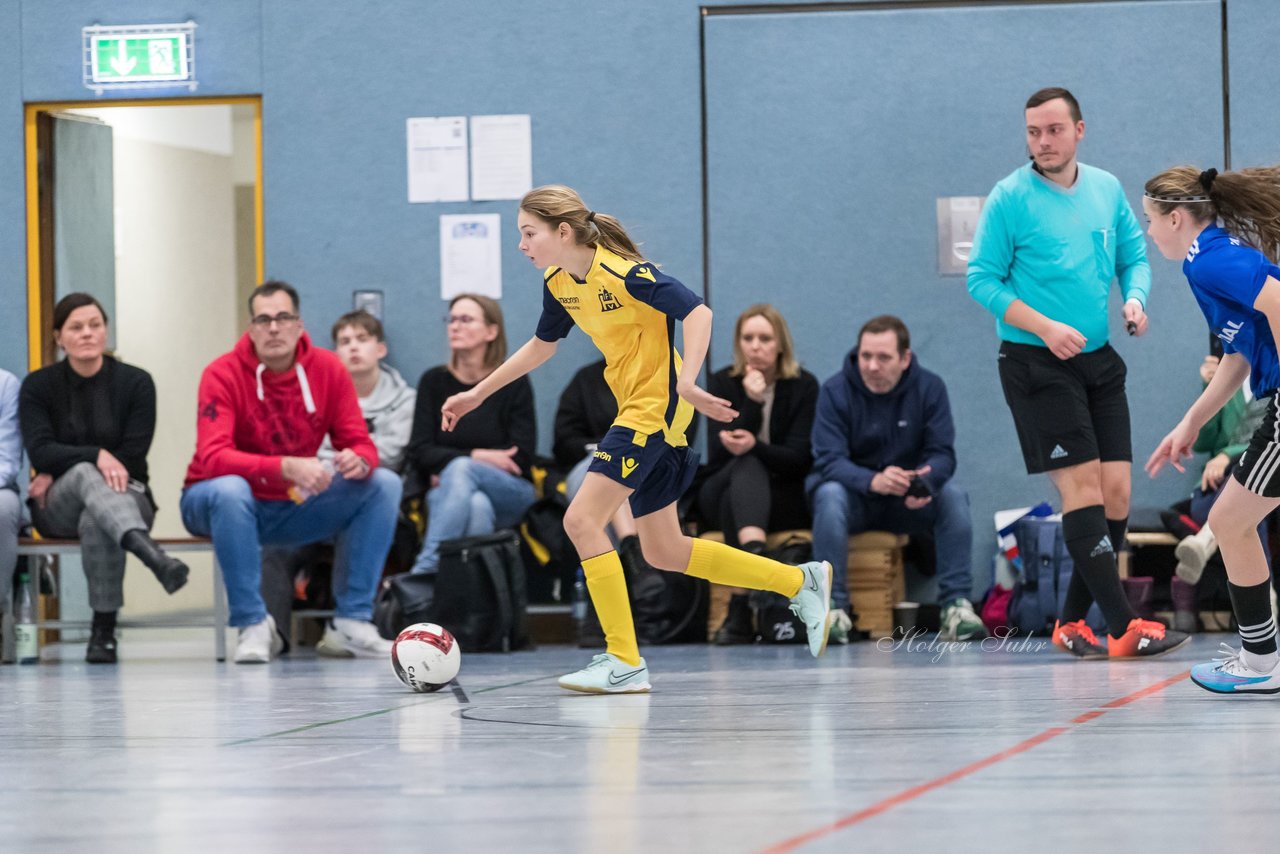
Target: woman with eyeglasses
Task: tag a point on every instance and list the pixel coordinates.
(87, 423)
(479, 475)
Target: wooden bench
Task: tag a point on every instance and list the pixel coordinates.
(54, 549)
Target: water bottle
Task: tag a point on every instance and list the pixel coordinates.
(299, 494)
(25, 623)
(579, 601)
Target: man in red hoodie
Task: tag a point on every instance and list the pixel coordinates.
(263, 411)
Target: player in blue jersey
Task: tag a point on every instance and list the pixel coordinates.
(1233, 275)
(594, 277)
(1052, 237)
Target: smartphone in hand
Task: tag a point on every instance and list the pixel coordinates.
(918, 488)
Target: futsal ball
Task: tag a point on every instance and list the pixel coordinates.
(426, 657)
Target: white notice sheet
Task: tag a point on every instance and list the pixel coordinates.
(470, 255)
(437, 159)
(501, 157)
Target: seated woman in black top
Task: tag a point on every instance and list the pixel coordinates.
(753, 481)
(87, 423)
(479, 471)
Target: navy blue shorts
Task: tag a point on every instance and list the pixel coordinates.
(658, 472)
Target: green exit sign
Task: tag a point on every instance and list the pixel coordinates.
(141, 55)
(150, 59)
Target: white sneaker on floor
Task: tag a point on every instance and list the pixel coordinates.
(813, 604)
(258, 643)
(345, 638)
(841, 626)
(608, 674)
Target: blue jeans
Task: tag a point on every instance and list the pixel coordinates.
(359, 515)
(472, 498)
(839, 513)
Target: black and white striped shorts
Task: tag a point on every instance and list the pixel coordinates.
(1259, 468)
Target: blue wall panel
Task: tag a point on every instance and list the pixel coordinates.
(13, 253)
(228, 45)
(614, 113)
(831, 135)
(1253, 29)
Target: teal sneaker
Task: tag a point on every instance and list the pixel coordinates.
(1231, 675)
(959, 622)
(608, 674)
(813, 604)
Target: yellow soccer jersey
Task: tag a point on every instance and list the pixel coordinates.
(629, 310)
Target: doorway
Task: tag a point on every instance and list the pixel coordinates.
(155, 208)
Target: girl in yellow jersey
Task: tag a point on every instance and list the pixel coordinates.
(594, 277)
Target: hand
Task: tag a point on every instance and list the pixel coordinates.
(503, 460)
(1214, 471)
(435, 481)
(915, 503)
(350, 465)
(1208, 368)
(38, 491)
(1173, 449)
(307, 472)
(754, 385)
(457, 406)
(1134, 314)
(737, 442)
(113, 471)
(715, 408)
(1062, 340)
(892, 481)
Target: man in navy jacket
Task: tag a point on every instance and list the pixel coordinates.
(884, 454)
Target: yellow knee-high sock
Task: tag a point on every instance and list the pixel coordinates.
(608, 587)
(734, 568)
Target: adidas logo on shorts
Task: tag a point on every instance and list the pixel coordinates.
(1057, 453)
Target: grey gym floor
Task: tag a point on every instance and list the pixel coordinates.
(737, 749)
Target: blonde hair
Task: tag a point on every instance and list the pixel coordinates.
(496, 350)
(556, 203)
(1247, 201)
(788, 367)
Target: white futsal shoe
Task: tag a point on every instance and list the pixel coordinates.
(608, 674)
(258, 643)
(346, 638)
(813, 604)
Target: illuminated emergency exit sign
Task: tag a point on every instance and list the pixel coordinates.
(118, 57)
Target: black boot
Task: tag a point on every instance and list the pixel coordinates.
(169, 571)
(737, 627)
(102, 639)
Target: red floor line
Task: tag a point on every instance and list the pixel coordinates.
(916, 791)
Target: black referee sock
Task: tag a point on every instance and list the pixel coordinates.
(1253, 613)
(1089, 542)
(1076, 605)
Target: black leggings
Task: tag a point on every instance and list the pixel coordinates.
(742, 495)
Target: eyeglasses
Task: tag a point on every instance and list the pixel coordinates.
(464, 319)
(284, 318)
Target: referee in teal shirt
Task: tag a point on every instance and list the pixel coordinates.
(1052, 237)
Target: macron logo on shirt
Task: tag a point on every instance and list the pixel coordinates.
(1194, 250)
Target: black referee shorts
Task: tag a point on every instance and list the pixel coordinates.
(1256, 470)
(1066, 412)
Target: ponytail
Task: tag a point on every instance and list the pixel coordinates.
(1247, 201)
(555, 204)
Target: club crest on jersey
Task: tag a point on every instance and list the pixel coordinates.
(608, 302)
